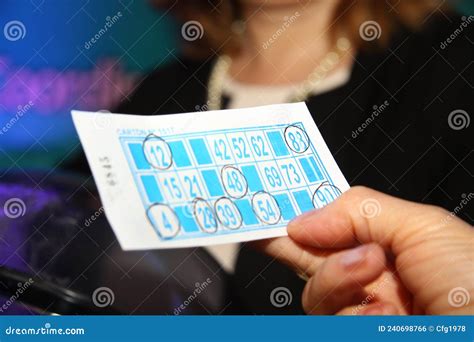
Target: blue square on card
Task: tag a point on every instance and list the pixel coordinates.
(316, 167)
(180, 156)
(200, 151)
(253, 179)
(138, 156)
(186, 219)
(278, 143)
(213, 182)
(308, 170)
(304, 200)
(286, 208)
(245, 208)
(151, 188)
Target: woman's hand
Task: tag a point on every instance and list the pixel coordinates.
(370, 253)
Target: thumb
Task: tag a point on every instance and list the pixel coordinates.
(363, 215)
(433, 250)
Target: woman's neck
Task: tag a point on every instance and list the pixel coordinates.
(282, 43)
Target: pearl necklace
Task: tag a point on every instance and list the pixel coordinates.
(327, 64)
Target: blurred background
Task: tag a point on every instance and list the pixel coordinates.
(58, 55)
(55, 56)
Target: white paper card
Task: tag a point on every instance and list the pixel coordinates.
(197, 179)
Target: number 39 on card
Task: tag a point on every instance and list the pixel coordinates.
(204, 178)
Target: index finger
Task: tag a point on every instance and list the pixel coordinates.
(304, 260)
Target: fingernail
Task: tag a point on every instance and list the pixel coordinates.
(372, 310)
(379, 309)
(353, 257)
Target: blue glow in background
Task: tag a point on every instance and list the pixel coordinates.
(53, 67)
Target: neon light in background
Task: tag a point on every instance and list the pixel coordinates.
(60, 55)
(52, 91)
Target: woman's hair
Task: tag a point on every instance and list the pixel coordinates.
(367, 23)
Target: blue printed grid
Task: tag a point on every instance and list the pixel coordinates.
(180, 156)
(213, 183)
(292, 200)
(200, 151)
